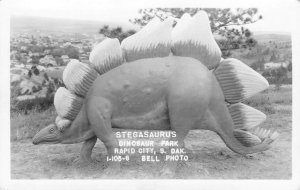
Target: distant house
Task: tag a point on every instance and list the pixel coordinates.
(19, 70)
(24, 48)
(47, 51)
(48, 61)
(84, 57)
(65, 59)
(272, 65)
(29, 61)
(14, 62)
(36, 54)
(13, 54)
(66, 44)
(40, 68)
(30, 54)
(28, 66)
(76, 42)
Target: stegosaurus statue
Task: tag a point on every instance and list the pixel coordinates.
(161, 78)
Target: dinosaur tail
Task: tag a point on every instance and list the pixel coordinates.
(241, 133)
(246, 142)
(240, 140)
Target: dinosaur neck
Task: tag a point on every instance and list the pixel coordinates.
(81, 119)
(79, 130)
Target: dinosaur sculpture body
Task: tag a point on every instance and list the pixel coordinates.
(159, 90)
(170, 93)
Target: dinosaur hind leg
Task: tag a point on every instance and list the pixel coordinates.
(184, 112)
(219, 120)
(181, 125)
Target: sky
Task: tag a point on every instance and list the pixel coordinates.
(276, 13)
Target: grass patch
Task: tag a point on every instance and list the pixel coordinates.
(261, 102)
(269, 101)
(24, 125)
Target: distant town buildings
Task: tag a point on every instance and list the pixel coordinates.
(50, 50)
(48, 61)
(272, 65)
(65, 59)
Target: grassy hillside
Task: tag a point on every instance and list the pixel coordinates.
(267, 37)
(268, 45)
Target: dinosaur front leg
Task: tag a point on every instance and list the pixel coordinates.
(86, 152)
(99, 116)
(86, 149)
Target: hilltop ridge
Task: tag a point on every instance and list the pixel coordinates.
(35, 25)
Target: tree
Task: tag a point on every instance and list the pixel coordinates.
(115, 32)
(220, 19)
(59, 61)
(36, 48)
(280, 75)
(276, 75)
(290, 66)
(72, 52)
(266, 51)
(258, 65)
(29, 73)
(35, 60)
(273, 57)
(57, 52)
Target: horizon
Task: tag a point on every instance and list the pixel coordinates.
(126, 25)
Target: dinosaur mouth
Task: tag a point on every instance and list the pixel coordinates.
(49, 139)
(45, 142)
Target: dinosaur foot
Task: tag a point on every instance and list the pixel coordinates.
(167, 173)
(112, 169)
(169, 170)
(83, 161)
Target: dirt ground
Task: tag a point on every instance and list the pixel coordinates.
(210, 159)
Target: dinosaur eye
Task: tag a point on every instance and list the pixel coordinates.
(51, 130)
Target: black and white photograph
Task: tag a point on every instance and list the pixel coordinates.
(149, 94)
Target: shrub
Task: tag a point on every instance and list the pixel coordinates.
(30, 104)
(39, 98)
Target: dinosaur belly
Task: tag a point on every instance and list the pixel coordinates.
(155, 119)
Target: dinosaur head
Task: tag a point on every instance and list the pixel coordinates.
(48, 135)
(65, 133)
(53, 135)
